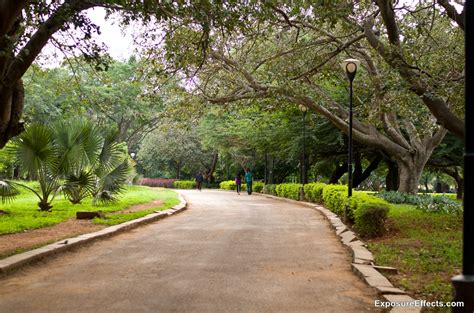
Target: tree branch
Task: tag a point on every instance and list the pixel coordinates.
(459, 18)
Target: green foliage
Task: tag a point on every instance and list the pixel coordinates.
(184, 184)
(290, 191)
(171, 151)
(369, 218)
(270, 189)
(398, 197)
(334, 198)
(425, 248)
(230, 185)
(314, 192)
(72, 157)
(439, 204)
(257, 186)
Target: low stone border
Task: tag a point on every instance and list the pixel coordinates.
(18, 261)
(362, 259)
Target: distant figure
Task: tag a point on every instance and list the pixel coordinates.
(199, 180)
(248, 180)
(238, 182)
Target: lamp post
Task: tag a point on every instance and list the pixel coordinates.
(464, 284)
(304, 178)
(350, 67)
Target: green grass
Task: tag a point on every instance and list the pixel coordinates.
(23, 213)
(424, 247)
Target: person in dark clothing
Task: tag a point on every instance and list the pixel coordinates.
(199, 180)
(238, 182)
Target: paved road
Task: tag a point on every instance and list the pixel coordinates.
(226, 253)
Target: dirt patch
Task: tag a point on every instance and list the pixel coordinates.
(15, 243)
(140, 207)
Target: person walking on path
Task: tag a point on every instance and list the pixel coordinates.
(238, 182)
(248, 180)
(199, 180)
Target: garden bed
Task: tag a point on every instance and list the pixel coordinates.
(424, 247)
(24, 228)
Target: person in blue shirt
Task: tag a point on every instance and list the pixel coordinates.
(248, 181)
(199, 180)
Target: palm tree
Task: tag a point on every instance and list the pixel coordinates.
(72, 157)
(101, 169)
(37, 152)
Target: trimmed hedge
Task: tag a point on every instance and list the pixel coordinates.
(370, 219)
(334, 198)
(230, 185)
(270, 189)
(257, 186)
(367, 212)
(290, 191)
(184, 184)
(314, 192)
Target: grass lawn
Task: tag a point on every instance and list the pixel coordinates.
(424, 247)
(23, 212)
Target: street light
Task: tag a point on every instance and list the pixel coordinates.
(350, 67)
(464, 284)
(304, 178)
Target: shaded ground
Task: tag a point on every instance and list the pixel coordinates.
(19, 242)
(226, 253)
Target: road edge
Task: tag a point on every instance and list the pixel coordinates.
(18, 261)
(362, 259)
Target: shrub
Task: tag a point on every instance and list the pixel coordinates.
(184, 184)
(258, 186)
(399, 197)
(314, 192)
(439, 204)
(290, 191)
(370, 219)
(230, 185)
(270, 189)
(334, 197)
(158, 182)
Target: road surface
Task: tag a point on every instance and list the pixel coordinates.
(226, 253)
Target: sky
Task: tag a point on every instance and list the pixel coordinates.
(119, 40)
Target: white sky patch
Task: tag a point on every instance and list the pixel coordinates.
(118, 39)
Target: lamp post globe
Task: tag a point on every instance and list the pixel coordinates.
(350, 66)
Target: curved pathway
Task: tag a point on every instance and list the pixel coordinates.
(226, 253)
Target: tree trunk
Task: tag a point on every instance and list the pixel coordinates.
(210, 175)
(178, 170)
(460, 188)
(392, 180)
(409, 171)
(459, 181)
(11, 106)
(359, 175)
(338, 172)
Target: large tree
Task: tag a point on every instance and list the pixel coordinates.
(277, 66)
(27, 26)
